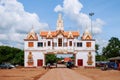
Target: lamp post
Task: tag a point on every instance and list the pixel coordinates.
(91, 14)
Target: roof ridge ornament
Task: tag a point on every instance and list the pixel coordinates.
(86, 35)
(70, 35)
(32, 30)
(49, 35)
(32, 35)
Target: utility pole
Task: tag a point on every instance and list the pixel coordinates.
(91, 14)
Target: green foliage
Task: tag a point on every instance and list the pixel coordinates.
(11, 55)
(100, 58)
(61, 58)
(73, 57)
(96, 48)
(51, 58)
(112, 49)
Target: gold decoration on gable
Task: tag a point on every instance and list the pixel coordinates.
(30, 37)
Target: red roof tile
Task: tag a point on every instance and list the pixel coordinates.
(55, 33)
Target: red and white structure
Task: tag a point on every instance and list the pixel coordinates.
(36, 46)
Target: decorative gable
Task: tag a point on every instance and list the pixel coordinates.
(59, 32)
(31, 35)
(70, 35)
(49, 35)
(86, 35)
(60, 36)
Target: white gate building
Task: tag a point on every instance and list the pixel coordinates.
(59, 42)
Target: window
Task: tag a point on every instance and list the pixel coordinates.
(88, 44)
(30, 44)
(40, 44)
(60, 42)
(70, 43)
(79, 44)
(49, 43)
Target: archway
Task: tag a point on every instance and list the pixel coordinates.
(59, 60)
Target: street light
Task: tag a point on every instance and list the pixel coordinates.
(91, 14)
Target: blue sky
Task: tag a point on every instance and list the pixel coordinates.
(108, 11)
(18, 17)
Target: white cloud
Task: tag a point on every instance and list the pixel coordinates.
(102, 43)
(1, 43)
(15, 22)
(72, 8)
(3, 36)
(58, 8)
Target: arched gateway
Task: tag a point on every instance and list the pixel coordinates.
(59, 41)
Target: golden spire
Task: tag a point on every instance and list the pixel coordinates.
(60, 22)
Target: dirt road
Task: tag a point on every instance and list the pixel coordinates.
(22, 74)
(63, 74)
(98, 74)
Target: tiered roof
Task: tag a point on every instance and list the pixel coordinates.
(59, 30)
(53, 34)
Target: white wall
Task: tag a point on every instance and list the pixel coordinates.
(84, 55)
(35, 45)
(36, 55)
(82, 51)
(84, 45)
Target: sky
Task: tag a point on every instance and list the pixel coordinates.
(18, 16)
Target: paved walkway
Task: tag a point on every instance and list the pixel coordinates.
(61, 65)
(63, 74)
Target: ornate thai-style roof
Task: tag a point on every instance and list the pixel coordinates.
(59, 30)
(31, 35)
(86, 35)
(49, 35)
(70, 35)
(67, 34)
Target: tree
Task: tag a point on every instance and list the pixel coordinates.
(100, 58)
(112, 49)
(19, 58)
(96, 48)
(51, 58)
(11, 55)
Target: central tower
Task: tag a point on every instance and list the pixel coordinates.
(60, 23)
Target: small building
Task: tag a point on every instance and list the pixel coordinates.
(67, 59)
(115, 59)
(59, 41)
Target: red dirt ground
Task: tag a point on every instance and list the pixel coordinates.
(97, 74)
(22, 74)
(36, 73)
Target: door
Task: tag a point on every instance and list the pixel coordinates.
(80, 62)
(39, 62)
